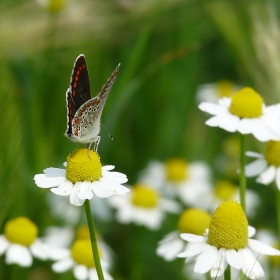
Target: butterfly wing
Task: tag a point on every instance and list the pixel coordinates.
(103, 94)
(86, 122)
(78, 92)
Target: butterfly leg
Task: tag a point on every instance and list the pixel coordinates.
(96, 143)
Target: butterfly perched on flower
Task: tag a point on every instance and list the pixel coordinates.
(83, 111)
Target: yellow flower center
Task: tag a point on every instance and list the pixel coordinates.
(228, 227)
(21, 231)
(272, 153)
(246, 103)
(144, 196)
(176, 170)
(55, 5)
(224, 190)
(194, 221)
(225, 88)
(81, 252)
(83, 165)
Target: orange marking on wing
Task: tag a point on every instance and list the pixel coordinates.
(80, 68)
(74, 93)
(84, 66)
(78, 72)
(76, 131)
(75, 85)
(76, 78)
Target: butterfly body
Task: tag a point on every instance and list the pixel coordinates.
(84, 112)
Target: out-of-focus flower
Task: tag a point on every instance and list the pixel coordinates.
(246, 113)
(83, 178)
(213, 92)
(192, 220)
(227, 242)
(53, 6)
(20, 242)
(267, 166)
(190, 182)
(143, 206)
(225, 190)
(77, 257)
(80, 259)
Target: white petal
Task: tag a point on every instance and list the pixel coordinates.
(192, 250)
(256, 167)
(213, 109)
(233, 259)
(81, 272)
(262, 248)
(169, 237)
(260, 130)
(3, 244)
(229, 122)
(64, 189)
(108, 167)
(220, 265)
(244, 126)
(214, 121)
(267, 176)
(192, 237)
(63, 265)
(42, 181)
(206, 259)
(17, 254)
(85, 190)
(39, 250)
(74, 199)
(251, 267)
(170, 250)
(251, 231)
(254, 154)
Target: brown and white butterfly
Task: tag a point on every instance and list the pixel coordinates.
(84, 112)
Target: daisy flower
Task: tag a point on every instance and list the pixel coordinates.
(225, 190)
(213, 92)
(267, 166)
(227, 242)
(192, 220)
(246, 113)
(83, 177)
(53, 6)
(190, 182)
(143, 206)
(20, 242)
(80, 259)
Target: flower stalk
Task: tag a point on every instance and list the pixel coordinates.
(242, 177)
(93, 241)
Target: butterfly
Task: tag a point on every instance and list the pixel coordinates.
(84, 112)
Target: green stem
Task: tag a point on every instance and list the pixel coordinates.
(278, 210)
(93, 241)
(242, 180)
(227, 273)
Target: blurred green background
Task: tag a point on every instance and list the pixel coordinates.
(166, 48)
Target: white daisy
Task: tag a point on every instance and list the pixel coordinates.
(192, 220)
(213, 92)
(80, 259)
(20, 242)
(267, 165)
(226, 242)
(245, 112)
(225, 190)
(83, 178)
(190, 182)
(143, 206)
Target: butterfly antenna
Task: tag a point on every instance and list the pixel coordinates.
(107, 131)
